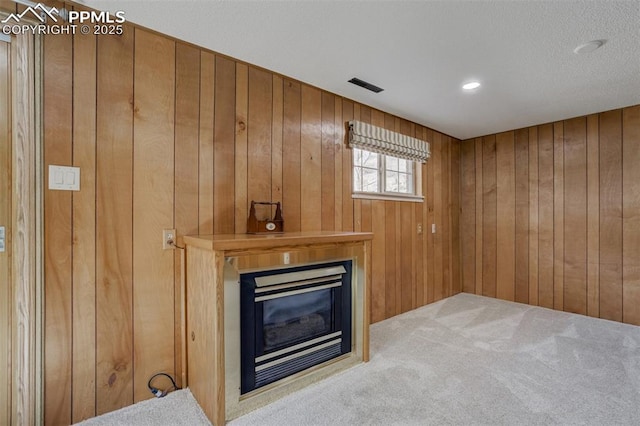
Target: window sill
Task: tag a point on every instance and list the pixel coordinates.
(387, 197)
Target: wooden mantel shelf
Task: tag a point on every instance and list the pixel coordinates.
(212, 306)
(250, 242)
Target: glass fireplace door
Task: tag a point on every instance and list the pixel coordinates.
(293, 318)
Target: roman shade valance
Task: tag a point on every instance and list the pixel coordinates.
(383, 141)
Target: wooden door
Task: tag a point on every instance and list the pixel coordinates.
(5, 233)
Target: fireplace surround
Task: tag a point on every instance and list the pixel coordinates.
(214, 266)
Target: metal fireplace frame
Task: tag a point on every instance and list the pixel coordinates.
(330, 283)
(237, 404)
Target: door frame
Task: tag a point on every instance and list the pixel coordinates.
(27, 242)
(5, 220)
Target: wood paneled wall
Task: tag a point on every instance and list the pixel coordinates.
(168, 135)
(551, 215)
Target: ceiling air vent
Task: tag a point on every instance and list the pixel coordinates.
(366, 85)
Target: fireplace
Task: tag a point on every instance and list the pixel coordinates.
(214, 350)
(293, 319)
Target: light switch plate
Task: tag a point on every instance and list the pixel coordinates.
(64, 178)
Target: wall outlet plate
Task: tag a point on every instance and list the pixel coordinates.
(168, 237)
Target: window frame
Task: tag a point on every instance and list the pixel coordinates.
(382, 194)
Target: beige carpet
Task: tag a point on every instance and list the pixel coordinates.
(466, 360)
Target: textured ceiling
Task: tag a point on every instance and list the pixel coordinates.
(421, 52)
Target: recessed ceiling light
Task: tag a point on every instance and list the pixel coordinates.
(471, 85)
(589, 47)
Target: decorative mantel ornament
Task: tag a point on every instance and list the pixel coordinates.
(265, 226)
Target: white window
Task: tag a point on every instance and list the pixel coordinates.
(383, 176)
(386, 164)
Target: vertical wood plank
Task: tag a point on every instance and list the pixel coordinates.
(378, 262)
(338, 147)
(357, 226)
(414, 258)
(153, 169)
(366, 311)
(364, 113)
(224, 146)
(58, 235)
(445, 207)
(357, 215)
(505, 226)
(398, 258)
(291, 191)
(378, 298)
(479, 149)
(533, 216)
(310, 162)
(611, 215)
(347, 171)
(631, 215)
(468, 216)
(407, 284)
(454, 192)
(242, 107)
(409, 129)
(438, 273)
(420, 214)
(327, 163)
(545, 216)
(259, 138)
(186, 173)
(430, 247)
(558, 215)
(84, 230)
(277, 117)
(114, 210)
(521, 145)
(575, 216)
(489, 217)
(390, 258)
(366, 216)
(418, 250)
(593, 217)
(205, 167)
